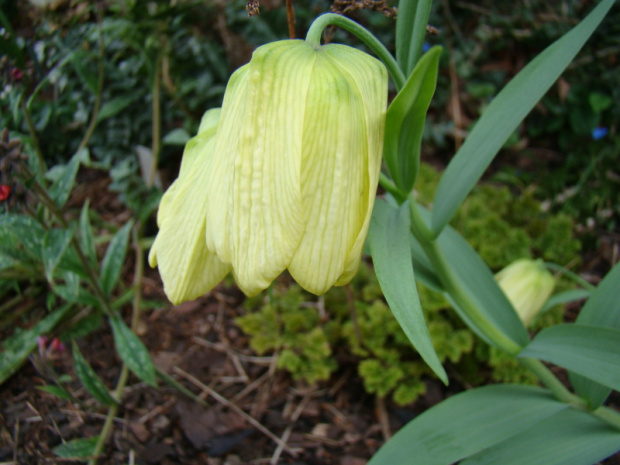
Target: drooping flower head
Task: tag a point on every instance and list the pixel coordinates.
(287, 178)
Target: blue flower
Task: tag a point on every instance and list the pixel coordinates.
(599, 132)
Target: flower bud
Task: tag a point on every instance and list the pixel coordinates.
(288, 179)
(528, 285)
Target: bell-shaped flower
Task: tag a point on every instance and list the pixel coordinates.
(288, 181)
(528, 285)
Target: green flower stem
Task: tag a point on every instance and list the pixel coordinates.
(453, 287)
(552, 383)
(609, 416)
(569, 274)
(331, 19)
(452, 284)
(390, 187)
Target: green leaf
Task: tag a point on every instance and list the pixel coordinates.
(56, 391)
(467, 423)
(21, 344)
(87, 241)
(389, 243)
(561, 298)
(570, 437)
(505, 113)
(83, 447)
(411, 31)
(21, 237)
(89, 378)
(591, 351)
(61, 189)
(114, 258)
(115, 106)
(601, 309)
(131, 350)
(178, 136)
(55, 245)
(83, 327)
(480, 287)
(405, 122)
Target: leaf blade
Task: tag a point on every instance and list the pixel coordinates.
(114, 257)
(591, 351)
(404, 121)
(89, 378)
(601, 309)
(570, 437)
(467, 423)
(496, 124)
(132, 351)
(389, 243)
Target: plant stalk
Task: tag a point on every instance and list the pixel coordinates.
(313, 37)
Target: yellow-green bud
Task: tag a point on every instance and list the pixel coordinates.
(528, 285)
(288, 179)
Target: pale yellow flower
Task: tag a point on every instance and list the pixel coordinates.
(528, 285)
(288, 181)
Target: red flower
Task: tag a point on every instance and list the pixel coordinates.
(17, 74)
(5, 191)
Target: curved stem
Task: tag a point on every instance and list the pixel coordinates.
(552, 383)
(569, 274)
(452, 285)
(389, 186)
(331, 19)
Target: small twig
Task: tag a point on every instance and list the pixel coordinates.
(252, 386)
(222, 400)
(156, 143)
(290, 18)
(353, 312)
(289, 429)
(383, 418)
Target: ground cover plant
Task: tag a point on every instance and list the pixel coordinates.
(98, 98)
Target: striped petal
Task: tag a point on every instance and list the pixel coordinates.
(187, 268)
(343, 134)
(255, 191)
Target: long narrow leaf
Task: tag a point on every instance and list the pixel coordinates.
(132, 351)
(18, 347)
(505, 113)
(87, 241)
(467, 423)
(61, 189)
(82, 447)
(389, 243)
(114, 258)
(404, 121)
(570, 437)
(591, 351)
(411, 32)
(55, 245)
(601, 309)
(89, 378)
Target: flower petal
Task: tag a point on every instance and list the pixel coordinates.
(187, 268)
(338, 185)
(255, 190)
